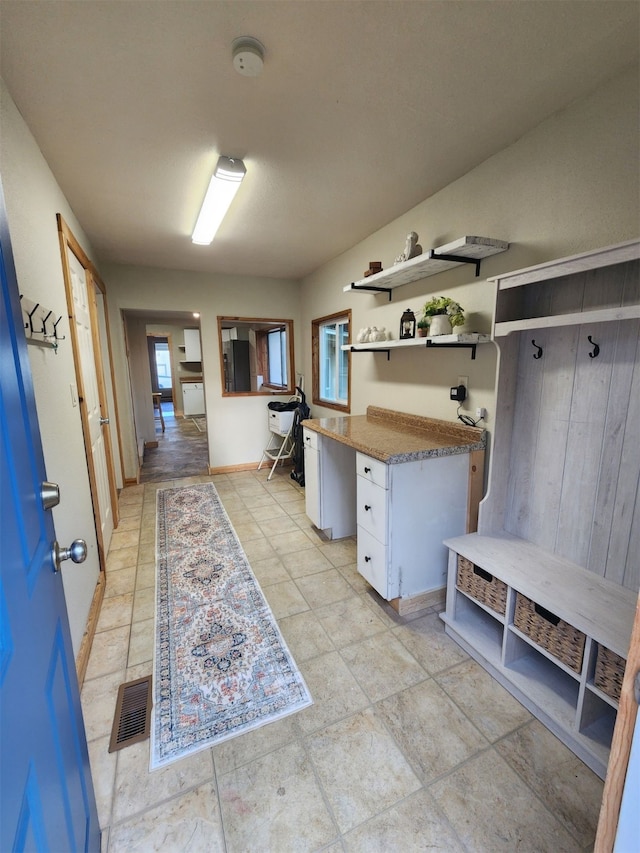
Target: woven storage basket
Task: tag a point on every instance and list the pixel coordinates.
(609, 672)
(481, 585)
(559, 638)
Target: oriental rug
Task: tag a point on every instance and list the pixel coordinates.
(221, 665)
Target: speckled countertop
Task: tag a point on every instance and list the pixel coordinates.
(395, 437)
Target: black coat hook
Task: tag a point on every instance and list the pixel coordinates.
(539, 353)
(596, 349)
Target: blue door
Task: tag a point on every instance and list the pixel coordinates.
(46, 794)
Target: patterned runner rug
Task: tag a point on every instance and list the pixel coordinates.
(221, 664)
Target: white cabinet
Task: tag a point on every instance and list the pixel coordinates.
(193, 398)
(403, 512)
(192, 345)
(330, 485)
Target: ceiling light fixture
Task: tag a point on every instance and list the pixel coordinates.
(223, 186)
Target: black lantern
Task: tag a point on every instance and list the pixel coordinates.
(407, 325)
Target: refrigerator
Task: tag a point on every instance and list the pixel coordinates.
(235, 356)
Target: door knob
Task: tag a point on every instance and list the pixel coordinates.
(49, 494)
(104, 421)
(76, 552)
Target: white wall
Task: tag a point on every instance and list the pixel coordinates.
(33, 198)
(237, 426)
(569, 185)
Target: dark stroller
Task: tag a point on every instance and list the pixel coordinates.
(301, 413)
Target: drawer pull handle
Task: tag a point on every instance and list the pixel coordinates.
(367, 470)
(482, 574)
(546, 614)
(367, 507)
(367, 559)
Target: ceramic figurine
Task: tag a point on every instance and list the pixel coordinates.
(411, 248)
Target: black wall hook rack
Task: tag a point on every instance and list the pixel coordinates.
(39, 326)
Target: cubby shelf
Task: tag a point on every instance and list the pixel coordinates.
(464, 250)
(566, 701)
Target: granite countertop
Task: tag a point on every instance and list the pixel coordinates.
(395, 437)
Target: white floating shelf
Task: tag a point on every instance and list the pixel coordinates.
(468, 340)
(460, 251)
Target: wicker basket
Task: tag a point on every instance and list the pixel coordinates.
(481, 585)
(609, 672)
(559, 638)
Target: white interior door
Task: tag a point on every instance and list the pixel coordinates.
(91, 401)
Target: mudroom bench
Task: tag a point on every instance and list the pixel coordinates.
(544, 594)
(553, 633)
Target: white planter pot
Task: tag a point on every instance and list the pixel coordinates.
(440, 325)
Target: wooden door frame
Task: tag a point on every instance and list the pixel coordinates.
(167, 336)
(620, 747)
(68, 242)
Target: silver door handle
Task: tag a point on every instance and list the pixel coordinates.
(76, 552)
(104, 421)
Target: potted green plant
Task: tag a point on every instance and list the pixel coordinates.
(423, 327)
(448, 312)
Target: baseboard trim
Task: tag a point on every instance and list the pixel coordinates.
(150, 444)
(229, 469)
(432, 598)
(82, 661)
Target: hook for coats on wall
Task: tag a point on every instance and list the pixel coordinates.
(596, 349)
(39, 325)
(539, 353)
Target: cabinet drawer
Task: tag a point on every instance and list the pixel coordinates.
(310, 438)
(373, 509)
(372, 469)
(372, 562)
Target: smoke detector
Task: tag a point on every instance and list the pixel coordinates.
(248, 56)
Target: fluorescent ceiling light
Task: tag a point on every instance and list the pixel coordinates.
(223, 186)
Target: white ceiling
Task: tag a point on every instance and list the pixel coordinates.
(363, 110)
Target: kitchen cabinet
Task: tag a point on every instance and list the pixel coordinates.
(402, 483)
(559, 525)
(193, 398)
(330, 485)
(192, 350)
(404, 512)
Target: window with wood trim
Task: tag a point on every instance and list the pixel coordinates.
(330, 363)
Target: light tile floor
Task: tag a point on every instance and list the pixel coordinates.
(409, 745)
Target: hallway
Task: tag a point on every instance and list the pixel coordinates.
(182, 449)
(409, 745)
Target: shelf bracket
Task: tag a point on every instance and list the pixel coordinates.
(472, 347)
(459, 259)
(371, 349)
(372, 288)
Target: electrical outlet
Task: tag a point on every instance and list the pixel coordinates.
(464, 380)
(481, 413)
